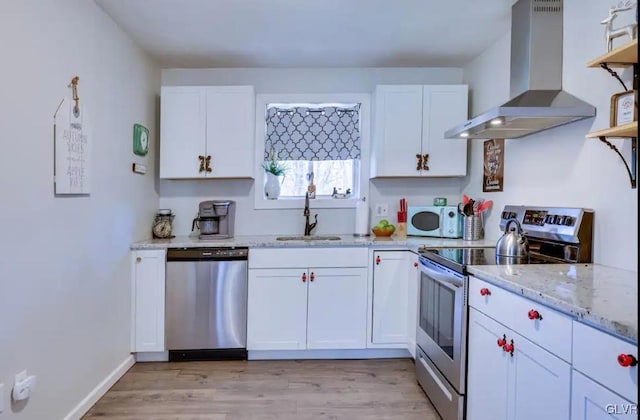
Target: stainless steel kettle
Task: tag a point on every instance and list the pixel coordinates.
(512, 247)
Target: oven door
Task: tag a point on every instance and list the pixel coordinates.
(442, 323)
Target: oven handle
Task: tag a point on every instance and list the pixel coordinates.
(446, 280)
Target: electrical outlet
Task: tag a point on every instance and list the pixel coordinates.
(382, 209)
(23, 386)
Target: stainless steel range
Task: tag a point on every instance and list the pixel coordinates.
(554, 235)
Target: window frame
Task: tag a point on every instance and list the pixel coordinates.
(361, 177)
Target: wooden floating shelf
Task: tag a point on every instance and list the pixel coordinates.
(627, 130)
(622, 56)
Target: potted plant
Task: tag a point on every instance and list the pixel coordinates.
(273, 169)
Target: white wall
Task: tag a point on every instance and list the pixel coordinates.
(64, 262)
(183, 196)
(560, 167)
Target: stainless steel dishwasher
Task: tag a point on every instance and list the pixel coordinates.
(206, 303)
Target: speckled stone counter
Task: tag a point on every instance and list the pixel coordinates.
(602, 296)
(267, 241)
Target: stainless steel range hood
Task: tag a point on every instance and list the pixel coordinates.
(538, 103)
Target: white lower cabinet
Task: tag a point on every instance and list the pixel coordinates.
(277, 309)
(310, 308)
(517, 380)
(487, 369)
(603, 387)
(148, 291)
(592, 401)
(391, 271)
(337, 308)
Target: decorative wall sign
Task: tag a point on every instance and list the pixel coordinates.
(623, 110)
(493, 178)
(140, 140)
(72, 146)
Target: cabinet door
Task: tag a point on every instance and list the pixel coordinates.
(277, 309)
(182, 131)
(412, 306)
(487, 369)
(230, 131)
(337, 312)
(444, 106)
(592, 401)
(390, 297)
(539, 383)
(397, 130)
(148, 275)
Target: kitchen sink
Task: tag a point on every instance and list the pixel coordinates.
(308, 238)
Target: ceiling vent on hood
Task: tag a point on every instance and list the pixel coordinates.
(538, 103)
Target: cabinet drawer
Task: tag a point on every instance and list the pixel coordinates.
(595, 353)
(308, 257)
(552, 332)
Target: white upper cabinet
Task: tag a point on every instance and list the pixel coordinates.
(207, 131)
(443, 106)
(409, 126)
(183, 131)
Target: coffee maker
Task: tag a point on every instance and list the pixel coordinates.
(215, 219)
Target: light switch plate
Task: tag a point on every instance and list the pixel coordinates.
(139, 168)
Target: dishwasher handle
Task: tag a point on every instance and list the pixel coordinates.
(208, 254)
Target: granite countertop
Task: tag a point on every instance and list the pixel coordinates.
(266, 241)
(602, 296)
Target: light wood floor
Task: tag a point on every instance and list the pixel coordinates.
(306, 389)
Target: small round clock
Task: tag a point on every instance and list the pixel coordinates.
(163, 226)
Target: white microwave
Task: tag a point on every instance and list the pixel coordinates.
(435, 221)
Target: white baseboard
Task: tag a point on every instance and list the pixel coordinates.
(102, 388)
(328, 354)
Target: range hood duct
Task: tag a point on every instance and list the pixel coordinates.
(538, 103)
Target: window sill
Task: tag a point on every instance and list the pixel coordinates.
(314, 203)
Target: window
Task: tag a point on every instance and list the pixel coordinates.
(324, 138)
(328, 174)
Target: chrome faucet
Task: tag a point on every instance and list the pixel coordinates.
(308, 227)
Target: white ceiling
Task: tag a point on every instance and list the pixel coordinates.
(297, 33)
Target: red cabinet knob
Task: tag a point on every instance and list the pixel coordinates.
(626, 360)
(485, 292)
(377, 260)
(304, 277)
(312, 277)
(415, 264)
(533, 314)
(502, 341)
(509, 348)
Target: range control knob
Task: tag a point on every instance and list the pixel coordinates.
(560, 220)
(569, 221)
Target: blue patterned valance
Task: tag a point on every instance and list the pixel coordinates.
(313, 132)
